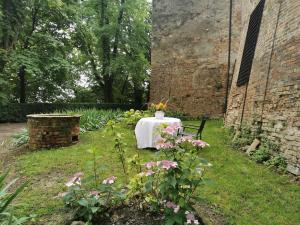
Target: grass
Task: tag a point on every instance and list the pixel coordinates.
(246, 192)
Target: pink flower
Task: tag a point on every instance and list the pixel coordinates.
(149, 165)
(163, 145)
(147, 173)
(171, 130)
(190, 218)
(75, 180)
(199, 143)
(172, 205)
(166, 164)
(109, 180)
(95, 193)
(184, 139)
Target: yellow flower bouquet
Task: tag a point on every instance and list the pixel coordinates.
(159, 108)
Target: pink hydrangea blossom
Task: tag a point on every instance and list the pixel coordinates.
(109, 180)
(147, 173)
(75, 180)
(199, 143)
(190, 218)
(172, 205)
(171, 130)
(164, 145)
(149, 165)
(184, 139)
(95, 193)
(166, 164)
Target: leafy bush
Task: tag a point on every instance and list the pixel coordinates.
(278, 162)
(261, 155)
(169, 185)
(20, 138)
(131, 117)
(271, 145)
(163, 186)
(16, 112)
(240, 142)
(90, 203)
(245, 138)
(6, 208)
(93, 119)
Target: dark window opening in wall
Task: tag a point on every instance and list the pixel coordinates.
(250, 44)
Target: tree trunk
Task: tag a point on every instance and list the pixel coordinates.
(22, 82)
(138, 97)
(105, 43)
(108, 90)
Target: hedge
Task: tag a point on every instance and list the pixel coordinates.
(16, 112)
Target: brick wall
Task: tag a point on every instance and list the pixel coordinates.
(189, 54)
(273, 95)
(50, 130)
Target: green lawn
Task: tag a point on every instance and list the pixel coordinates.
(247, 193)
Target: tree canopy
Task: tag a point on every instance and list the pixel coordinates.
(74, 50)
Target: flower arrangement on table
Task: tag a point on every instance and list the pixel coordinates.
(159, 109)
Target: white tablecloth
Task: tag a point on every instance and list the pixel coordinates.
(145, 130)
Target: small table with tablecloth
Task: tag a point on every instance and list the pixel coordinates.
(146, 130)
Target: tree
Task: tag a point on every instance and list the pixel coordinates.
(48, 47)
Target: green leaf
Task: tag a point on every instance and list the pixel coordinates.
(83, 202)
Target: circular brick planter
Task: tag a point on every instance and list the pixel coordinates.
(52, 130)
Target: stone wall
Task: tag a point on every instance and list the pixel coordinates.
(273, 94)
(189, 54)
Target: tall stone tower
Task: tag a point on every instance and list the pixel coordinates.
(190, 54)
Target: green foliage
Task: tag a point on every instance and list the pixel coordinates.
(240, 185)
(245, 137)
(278, 162)
(88, 204)
(17, 112)
(120, 145)
(261, 155)
(238, 143)
(165, 186)
(93, 119)
(6, 208)
(131, 117)
(169, 185)
(271, 145)
(20, 138)
(58, 50)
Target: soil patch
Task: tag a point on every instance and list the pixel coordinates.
(130, 215)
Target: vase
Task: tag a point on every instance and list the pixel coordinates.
(159, 115)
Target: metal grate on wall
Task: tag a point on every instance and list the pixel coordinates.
(250, 44)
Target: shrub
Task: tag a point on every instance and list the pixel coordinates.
(271, 145)
(163, 186)
(93, 119)
(131, 117)
(245, 138)
(240, 142)
(277, 162)
(168, 186)
(16, 112)
(261, 155)
(6, 208)
(20, 138)
(90, 203)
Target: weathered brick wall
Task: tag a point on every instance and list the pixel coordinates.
(48, 131)
(280, 107)
(189, 54)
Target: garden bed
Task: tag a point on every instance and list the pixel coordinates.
(241, 192)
